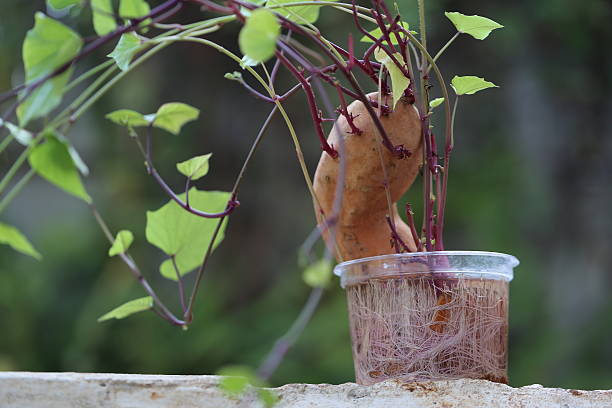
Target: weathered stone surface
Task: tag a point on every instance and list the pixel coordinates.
(68, 390)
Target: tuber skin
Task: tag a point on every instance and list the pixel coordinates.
(362, 229)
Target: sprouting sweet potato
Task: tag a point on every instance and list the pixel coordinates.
(362, 228)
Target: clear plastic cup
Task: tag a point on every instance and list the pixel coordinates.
(429, 315)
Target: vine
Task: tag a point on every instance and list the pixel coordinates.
(396, 61)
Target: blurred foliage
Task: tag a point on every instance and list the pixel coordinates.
(531, 176)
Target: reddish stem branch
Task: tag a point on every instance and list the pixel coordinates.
(396, 241)
(343, 110)
(312, 104)
(413, 231)
(231, 204)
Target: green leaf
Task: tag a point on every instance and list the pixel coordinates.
(172, 116)
(399, 82)
(377, 33)
(129, 308)
(305, 14)
(53, 162)
(122, 243)
(103, 16)
(61, 4)
(436, 102)
(248, 62)
(233, 76)
(258, 37)
(196, 167)
(47, 47)
(15, 239)
(318, 274)
(21, 135)
(129, 44)
(267, 397)
(127, 117)
(185, 235)
(469, 85)
(476, 26)
(133, 8)
(236, 379)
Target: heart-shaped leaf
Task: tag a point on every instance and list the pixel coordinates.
(196, 167)
(52, 161)
(47, 47)
(122, 243)
(172, 116)
(129, 44)
(103, 16)
(399, 82)
(436, 102)
(257, 39)
(476, 26)
(184, 235)
(469, 85)
(134, 8)
(129, 308)
(12, 237)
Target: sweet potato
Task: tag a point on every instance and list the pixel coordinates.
(362, 229)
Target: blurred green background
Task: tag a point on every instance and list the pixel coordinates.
(532, 176)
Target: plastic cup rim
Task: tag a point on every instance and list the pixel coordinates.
(339, 269)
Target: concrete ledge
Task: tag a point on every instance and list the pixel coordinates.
(68, 390)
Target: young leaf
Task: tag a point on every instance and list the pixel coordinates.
(102, 14)
(233, 76)
(129, 308)
(182, 234)
(127, 117)
(248, 62)
(21, 135)
(15, 239)
(52, 161)
(172, 116)
(436, 102)
(377, 33)
(306, 14)
(318, 274)
(476, 26)
(399, 82)
(133, 8)
(129, 44)
(47, 47)
(61, 4)
(257, 39)
(122, 243)
(469, 85)
(196, 167)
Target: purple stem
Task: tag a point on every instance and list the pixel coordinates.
(413, 231)
(179, 281)
(282, 345)
(396, 241)
(164, 312)
(231, 204)
(312, 104)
